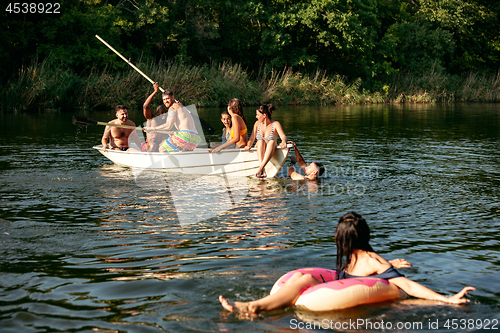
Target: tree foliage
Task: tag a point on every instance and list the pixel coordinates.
(370, 39)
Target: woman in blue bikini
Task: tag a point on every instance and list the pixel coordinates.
(266, 132)
(355, 258)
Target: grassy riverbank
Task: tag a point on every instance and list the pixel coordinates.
(42, 87)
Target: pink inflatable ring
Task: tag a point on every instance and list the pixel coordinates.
(340, 294)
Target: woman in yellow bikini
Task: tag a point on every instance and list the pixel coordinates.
(266, 132)
(239, 126)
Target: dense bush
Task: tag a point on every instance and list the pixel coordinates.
(41, 87)
(319, 51)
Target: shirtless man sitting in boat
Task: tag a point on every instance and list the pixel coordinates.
(311, 171)
(186, 137)
(119, 137)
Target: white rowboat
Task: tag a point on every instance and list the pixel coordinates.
(229, 162)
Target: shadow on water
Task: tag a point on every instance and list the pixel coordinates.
(90, 246)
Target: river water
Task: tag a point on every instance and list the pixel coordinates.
(88, 246)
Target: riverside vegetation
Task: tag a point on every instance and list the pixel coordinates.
(42, 87)
(279, 51)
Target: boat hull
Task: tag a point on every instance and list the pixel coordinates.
(229, 162)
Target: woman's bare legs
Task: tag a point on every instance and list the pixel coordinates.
(261, 151)
(267, 153)
(285, 296)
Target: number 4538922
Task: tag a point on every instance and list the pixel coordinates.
(33, 8)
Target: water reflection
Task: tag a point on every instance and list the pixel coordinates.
(173, 233)
(191, 198)
(84, 246)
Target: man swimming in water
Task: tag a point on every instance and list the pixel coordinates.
(311, 171)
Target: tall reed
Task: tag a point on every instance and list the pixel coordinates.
(39, 86)
(439, 87)
(45, 87)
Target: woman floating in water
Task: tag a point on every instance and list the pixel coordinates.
(355, 258)
(266, 132)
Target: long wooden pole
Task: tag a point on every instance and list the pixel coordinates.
(204, 124)
(127, 61)
(78, 120)
(131, 127)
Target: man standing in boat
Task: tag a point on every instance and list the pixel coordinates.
(186, 137)
(119, 136)
(311, 171)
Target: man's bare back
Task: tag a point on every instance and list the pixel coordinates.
(182, 118)
(186, 138)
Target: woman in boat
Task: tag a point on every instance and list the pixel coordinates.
(238, 133)
(266, 132)
(355, 258)
(225, 118)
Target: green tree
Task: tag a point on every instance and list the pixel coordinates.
(416, 47)
(334, 34)
(446, 35)
(356, 38)
(473, 25)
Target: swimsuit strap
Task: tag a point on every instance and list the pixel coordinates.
(242, 131)
(389, 273)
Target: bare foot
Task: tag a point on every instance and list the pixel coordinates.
(225, 304)
(261, 174)
(241, 307)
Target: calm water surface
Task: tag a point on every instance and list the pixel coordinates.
(88, 246)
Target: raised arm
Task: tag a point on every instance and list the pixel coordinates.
(291, 169)
(300, 159)
(148, 114)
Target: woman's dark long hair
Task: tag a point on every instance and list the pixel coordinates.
(267, 109)
(352, 233)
